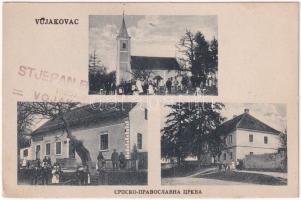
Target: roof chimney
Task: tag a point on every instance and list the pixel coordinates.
(247, 110)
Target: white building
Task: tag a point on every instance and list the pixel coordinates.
(120, 126)
(245, 135)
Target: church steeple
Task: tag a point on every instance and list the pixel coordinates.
(123, 71)
(123, 33)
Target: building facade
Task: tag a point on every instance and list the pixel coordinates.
(122, 126)
(245, 135)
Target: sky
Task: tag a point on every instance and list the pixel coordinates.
(151, 35)
(273, 115)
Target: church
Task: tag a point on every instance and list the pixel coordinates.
(128, 64)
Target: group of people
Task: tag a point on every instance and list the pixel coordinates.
(83, 175)
(173, 85)
(150, 87)
(43, 172)
(118, 161)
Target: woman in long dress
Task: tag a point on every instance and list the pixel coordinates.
(55, 175)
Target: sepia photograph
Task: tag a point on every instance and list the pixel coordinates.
(224, 144)
(153, 55)
(82, 144)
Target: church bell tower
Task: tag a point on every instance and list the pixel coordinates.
(123, 71)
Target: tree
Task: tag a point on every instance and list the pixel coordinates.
(175, 135)
(283, 139)
(206, 118)
(24, 122)
(189, 128)
(95, 63)
(141, 74)
(54, 110)
(198, 56)
(186, 47)
(213, 52)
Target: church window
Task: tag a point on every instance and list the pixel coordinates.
(124, 45)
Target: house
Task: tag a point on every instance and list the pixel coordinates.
(127, 64)
(101, 127)
(245, 135)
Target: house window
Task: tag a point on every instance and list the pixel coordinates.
(265, 139)
(47, 149)
(139, 141)
(104, 142)
(145, 113)
(231, 155)
(251, 153)
(38, 150)
(58, 148)
(229, 139)
(250, 138)
(25, 153)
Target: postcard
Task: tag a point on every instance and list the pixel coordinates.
(150, 100)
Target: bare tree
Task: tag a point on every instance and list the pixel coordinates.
(186, 46)
(56, 110)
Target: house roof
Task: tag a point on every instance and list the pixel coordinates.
(154, 63)
(88, 114)
(123, 31)
(245, 121)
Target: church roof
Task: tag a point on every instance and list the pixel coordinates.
(123, 33)
(88, 114)
(245, 121)
(154, 63)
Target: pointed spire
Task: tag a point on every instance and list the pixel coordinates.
(123, 31)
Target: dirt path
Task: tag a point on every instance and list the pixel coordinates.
(197, 181)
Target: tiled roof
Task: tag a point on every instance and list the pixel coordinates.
(245, 121)
(154, 63)
(88, 114)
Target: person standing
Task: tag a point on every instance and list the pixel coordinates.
(86, 174)
(168, 85)
(35, 175)
(80, 175)
(139, 86)
(122, 161)
(114, 158)
(100, 161)
(44, 172)
(55, 175)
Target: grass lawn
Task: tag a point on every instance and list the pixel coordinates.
(180, 171)
(245, 177)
